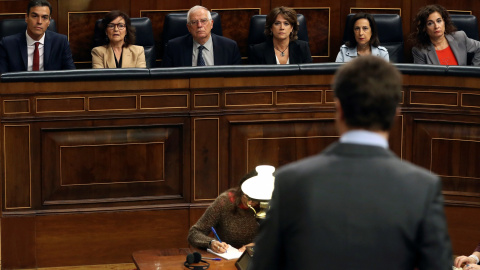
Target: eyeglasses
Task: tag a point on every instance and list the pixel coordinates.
(120, 26)
(202, 21)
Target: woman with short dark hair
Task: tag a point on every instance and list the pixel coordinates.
(282, 45)
(364, 40)
(437, 41)
(117, 39)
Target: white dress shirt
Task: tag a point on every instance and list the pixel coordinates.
(31, 48)
(364, 137)
(207, 52)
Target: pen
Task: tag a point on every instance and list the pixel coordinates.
(213, 259)
(216, 235)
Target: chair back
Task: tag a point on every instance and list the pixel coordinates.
(144, 37)
(466, 23)
(390, 34)
(10, 27)
(256, 33)
(175, 25)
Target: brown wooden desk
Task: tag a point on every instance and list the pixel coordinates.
(166, 259)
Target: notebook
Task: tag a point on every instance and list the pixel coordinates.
(232, 253)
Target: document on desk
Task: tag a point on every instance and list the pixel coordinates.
(232, 253)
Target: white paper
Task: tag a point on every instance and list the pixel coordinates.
(232, 253)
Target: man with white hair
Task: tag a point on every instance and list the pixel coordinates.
(200, 47)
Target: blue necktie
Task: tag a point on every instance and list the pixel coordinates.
(200, 61)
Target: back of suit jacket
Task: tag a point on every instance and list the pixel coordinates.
(13, 53)
(354, 207)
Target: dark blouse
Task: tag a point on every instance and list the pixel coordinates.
(264, 53)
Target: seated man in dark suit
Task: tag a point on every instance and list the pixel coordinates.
(357, 205)
(200, 47)
(37, 49)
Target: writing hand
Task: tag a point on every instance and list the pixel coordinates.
(219, 247)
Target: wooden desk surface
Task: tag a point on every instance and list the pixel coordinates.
(166, 259)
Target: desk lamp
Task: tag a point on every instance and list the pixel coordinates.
(260, 188)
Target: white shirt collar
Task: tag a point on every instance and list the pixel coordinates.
(208, 45)
(31, 41)
(364, 137)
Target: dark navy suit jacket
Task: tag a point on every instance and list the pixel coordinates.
(178, 51)
(13, 53)
(264, 53)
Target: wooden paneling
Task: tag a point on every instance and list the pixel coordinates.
(236, 25)
(206, 163)
(463, 234)
(318, 27)
(17, 167)
(18, 242)
(81, 26)
(111, 165)
(276, 142)
(79, 239)
(449, 147)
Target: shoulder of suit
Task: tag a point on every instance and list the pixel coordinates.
(136, 48)
(14, 37)
(54, 34)
(381, 48)
(102, 48)
(224, 39)
(179, 39)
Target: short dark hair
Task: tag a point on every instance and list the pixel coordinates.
(374, 41)
(369, 90)
(420, 37)
(238, 193)
(289, 14)
(109, 17)
(38, 3)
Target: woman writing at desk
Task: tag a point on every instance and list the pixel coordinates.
(232, 219)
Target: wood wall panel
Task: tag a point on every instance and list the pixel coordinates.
(20, 8)
(111, 164)
(18, 251)
(79, 239)
(449, 148)
(88, 6)
(158, 19)
(318, 27)
(231, 20)
(206, 163)
(139, 7)
(276, 142)
(81, 26)
(17, 163)
(463, 224)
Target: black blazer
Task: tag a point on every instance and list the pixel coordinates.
(178, 51)
(264, 53)
(13, 53)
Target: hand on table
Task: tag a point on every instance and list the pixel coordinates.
(242, 249)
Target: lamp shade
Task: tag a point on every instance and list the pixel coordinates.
(260, 187)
